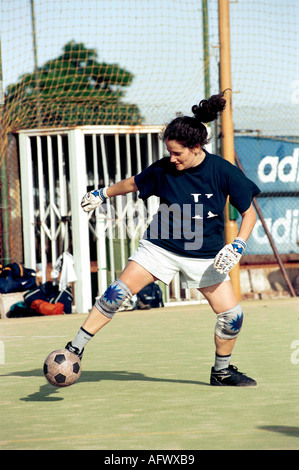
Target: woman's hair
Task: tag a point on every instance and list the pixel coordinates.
(190, 131)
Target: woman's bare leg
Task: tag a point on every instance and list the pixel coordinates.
(135, 277)
(221, 298)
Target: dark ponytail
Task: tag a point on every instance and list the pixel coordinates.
(190, 131)
(209, 110)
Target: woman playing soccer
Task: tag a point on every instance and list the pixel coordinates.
(186, 233)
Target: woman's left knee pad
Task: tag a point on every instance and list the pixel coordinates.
(229, 323)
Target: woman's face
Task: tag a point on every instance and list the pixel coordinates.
(184, 157)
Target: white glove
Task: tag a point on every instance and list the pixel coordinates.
(229, 256)
(93, 199)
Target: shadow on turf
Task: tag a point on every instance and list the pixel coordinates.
(288, 430)
(46, 391)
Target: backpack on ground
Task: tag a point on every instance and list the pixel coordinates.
(14, 277)
(150, 295)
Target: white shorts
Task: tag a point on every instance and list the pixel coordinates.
(164, 265)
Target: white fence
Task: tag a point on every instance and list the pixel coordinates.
(57, 168)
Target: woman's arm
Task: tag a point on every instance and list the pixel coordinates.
(95, 198)
(247, 224)
(231, 254)
(122, 187)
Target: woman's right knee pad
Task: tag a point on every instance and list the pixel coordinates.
(113, 298)
(229, 323)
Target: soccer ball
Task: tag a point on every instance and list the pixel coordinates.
(62, 368)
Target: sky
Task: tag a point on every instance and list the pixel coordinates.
(160, 42)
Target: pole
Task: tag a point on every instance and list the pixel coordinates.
(206, 52)
(227, 127)
(37, 81)
(4, 189)
(206, 64)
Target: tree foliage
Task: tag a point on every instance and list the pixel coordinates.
(72, 90)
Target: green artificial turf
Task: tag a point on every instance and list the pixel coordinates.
(145, 383)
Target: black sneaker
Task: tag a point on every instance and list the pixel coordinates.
(74, 350)
(231, 377)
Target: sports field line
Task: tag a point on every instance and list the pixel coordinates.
(104, 436)
(32, 336)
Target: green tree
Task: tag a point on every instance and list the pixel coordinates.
(72, 90)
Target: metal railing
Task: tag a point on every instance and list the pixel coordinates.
(57, 167)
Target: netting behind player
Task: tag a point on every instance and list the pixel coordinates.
(131, 62)
(94, 62)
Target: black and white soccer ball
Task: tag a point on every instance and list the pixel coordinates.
(62, 368)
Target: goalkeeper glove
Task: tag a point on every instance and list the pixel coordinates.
(93, 199)
(229, 256)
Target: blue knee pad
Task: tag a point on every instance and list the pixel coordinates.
(229, 323)
(113, 298)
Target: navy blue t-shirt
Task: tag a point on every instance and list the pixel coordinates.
(190, 218)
